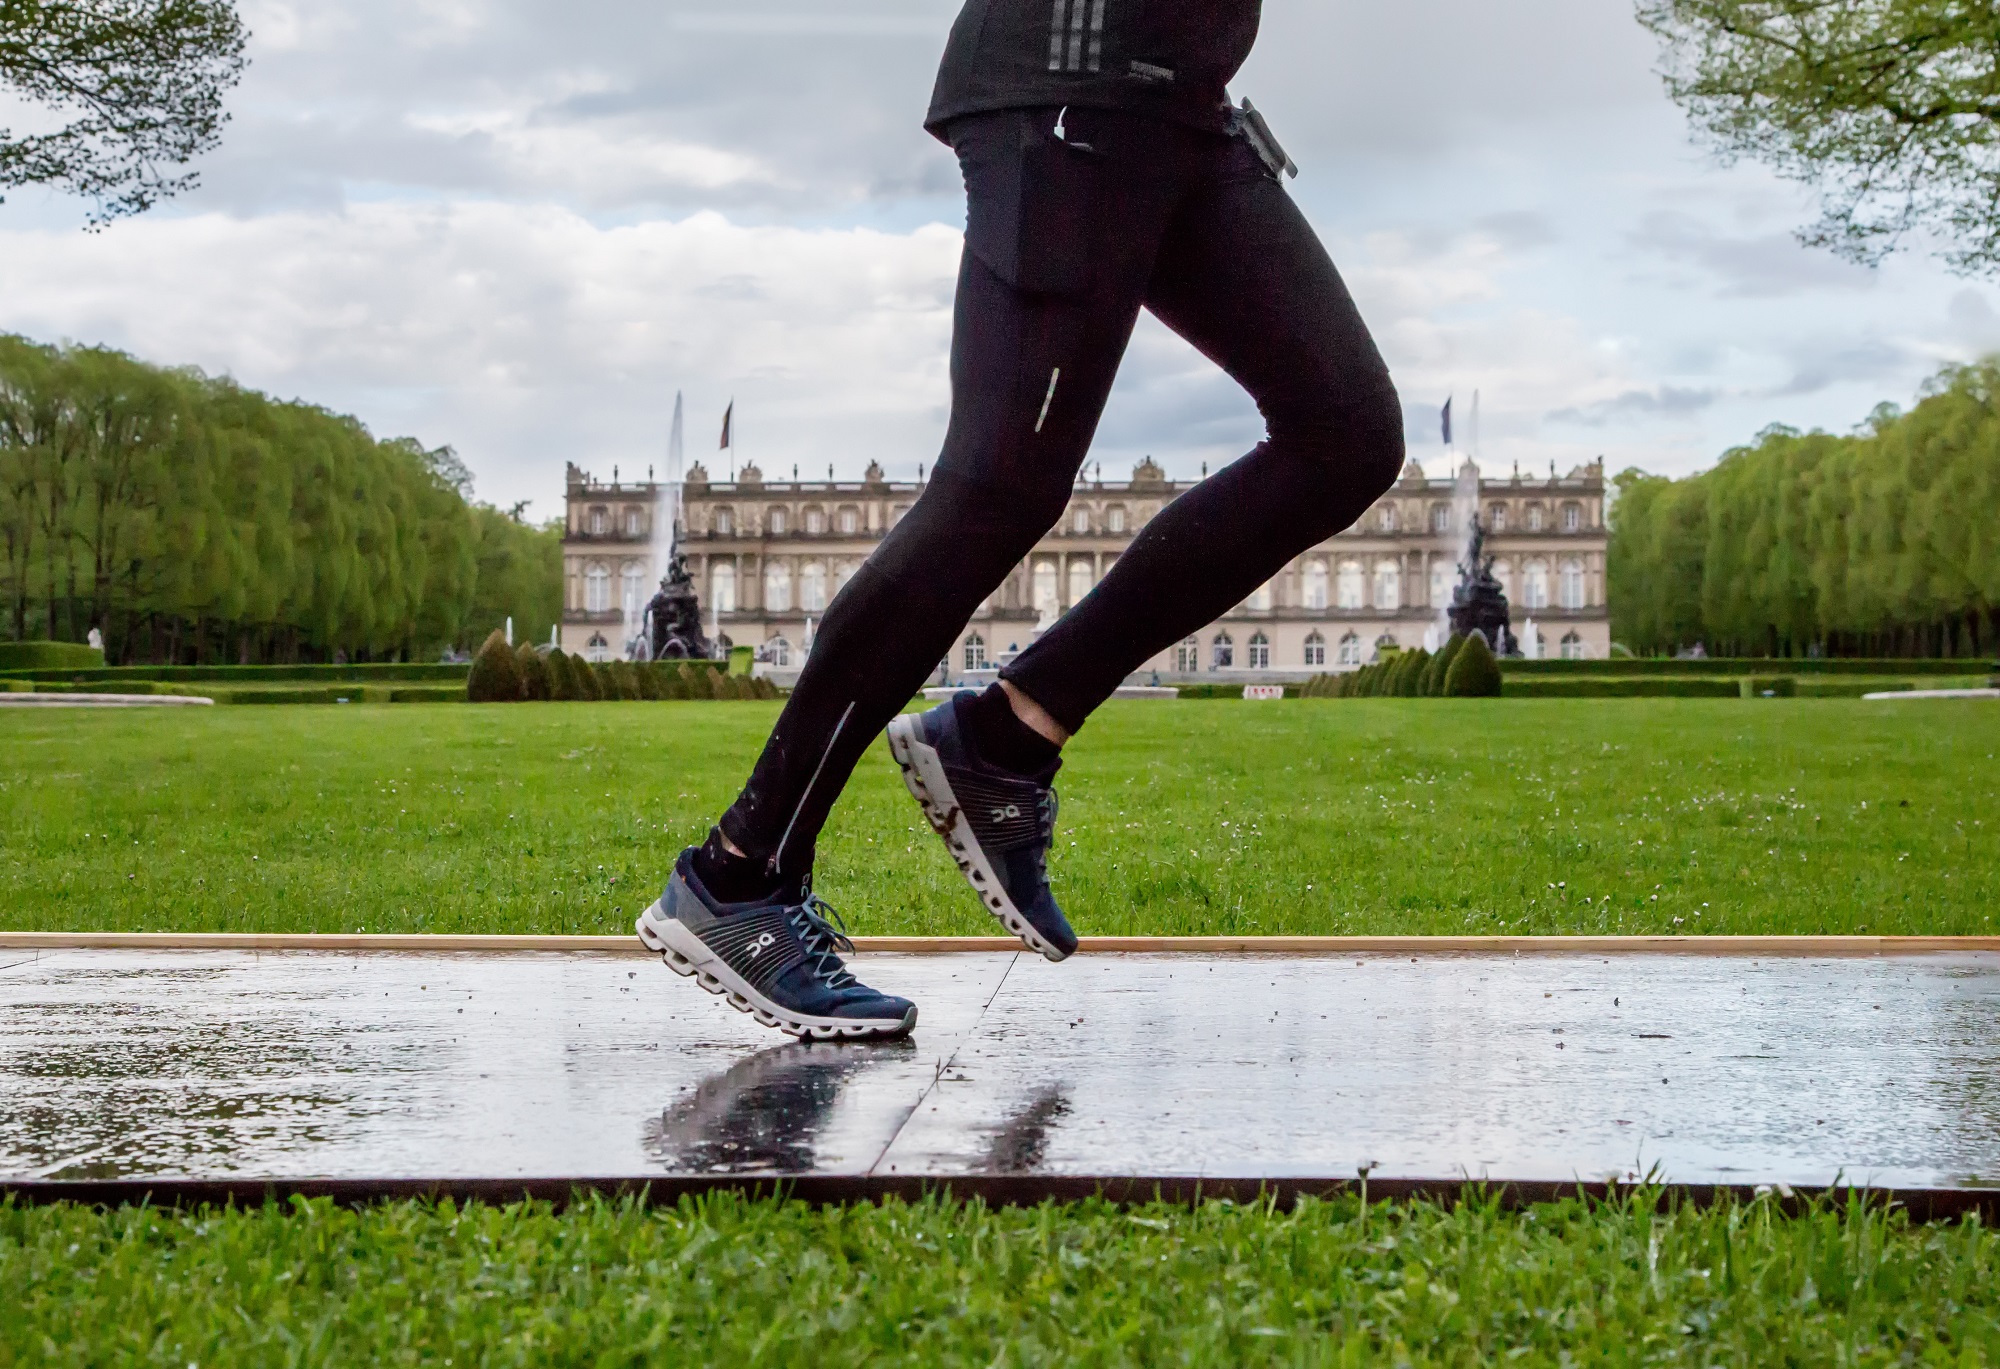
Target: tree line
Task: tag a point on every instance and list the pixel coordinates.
(193, 521)
(1883, 542)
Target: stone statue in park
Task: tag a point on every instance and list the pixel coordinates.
(1478, 604)
(673, 617)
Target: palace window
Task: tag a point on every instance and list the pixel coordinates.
(1388, 586)
(1440, 518)
(1440, 582)
(1572, 647)
(597, 590)
(1350, 650)
(1496, 518)
(1224, 653)
(597, 649)
(775, 521)
(1534, 518)
(1353, 585)
(1387, 518)
(1572, 517)
(1079, 580)
(848, 520)
(597, 522)
(777, 587)
(1535, 588)
(812, 587)
(725, 521)
(1187, 656)
(1114, 518)
(778, 652)
(1384, 644)
(975, 652)
(632, 521)
(1260, 652)
(1261, 598)
(815, 520)
(722, 588)
(634, 596)
(1315, 586)
(1315, 649)
(1079, 521)
(1047, 592)
(1570, 584)
(1503, 575)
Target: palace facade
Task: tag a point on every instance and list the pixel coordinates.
(768, 556)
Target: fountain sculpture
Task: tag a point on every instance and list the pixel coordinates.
(1479, 604)
(673, 618)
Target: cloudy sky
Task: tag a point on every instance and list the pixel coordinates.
(520, 226)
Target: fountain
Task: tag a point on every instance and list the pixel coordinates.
(673, 618)
(1479, 604)
(669, 625)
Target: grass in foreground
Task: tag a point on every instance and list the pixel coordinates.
(1363, 816)
(730, 1282)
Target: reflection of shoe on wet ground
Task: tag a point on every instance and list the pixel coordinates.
(777, 959)
(766, 1113)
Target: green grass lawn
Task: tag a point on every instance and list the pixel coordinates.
(729, 1282)
(1361, 816)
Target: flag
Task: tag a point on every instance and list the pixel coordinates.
(1447, 423)
(727, 415)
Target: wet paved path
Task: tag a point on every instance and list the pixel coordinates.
(1710, 1069)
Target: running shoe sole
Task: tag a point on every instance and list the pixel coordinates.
(687, 955)
(924, 777)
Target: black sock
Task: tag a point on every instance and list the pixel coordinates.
(1001, 738)
(731, 878)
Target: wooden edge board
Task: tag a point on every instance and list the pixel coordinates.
(995, 1190)
(1090, 945)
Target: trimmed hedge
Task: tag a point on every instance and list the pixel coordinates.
(1740, 666)
(1473, 673)
(495, 678)
(256, 674)
(534, 673)
(49, 656)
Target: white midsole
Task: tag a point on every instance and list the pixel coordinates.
(687, 954)
(924, 777)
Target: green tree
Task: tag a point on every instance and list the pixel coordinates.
(1889, 108)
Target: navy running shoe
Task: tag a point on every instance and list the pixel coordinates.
(777, 959)
(997, 825)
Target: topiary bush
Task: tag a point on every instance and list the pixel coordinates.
(562, 679)
(694, 679)
(1410, 674)
(495, 677)
(667, 682)
(1441, 665)
(534, 673)
(718, 683)
(589, 685)
(1474, 674)
(49, 656)
(647, 680)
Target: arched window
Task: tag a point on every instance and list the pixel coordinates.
(1535, 585)
(1187, 656)
(1569, 584)
(1441, 584)
(848, 520)
(1114, 518)
(1315, 586)
(776, 521)
(812, 586)
(1503, 574)
(1572, 517)
(1079, 521)
(1496, 518)
(1223, 653)
(1440, 518)
(1353, 586)
(633, 592)
(632, 521)
(1350, 650)
(725, 521)
(1388, 586)
(778, 652)
(1387, 518)
(815, 520)
(1262, 597)
(777, 587)
(1046, 592)
(1260, 652)
(1534, 518)
(1385, 644)
(722, 588)
(1572, 647)
(975, 652)
(597, 649)
(1079, 580)
(1315, 649)
(597, 590)
(597, 522)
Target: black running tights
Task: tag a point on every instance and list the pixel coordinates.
(1068, 236)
